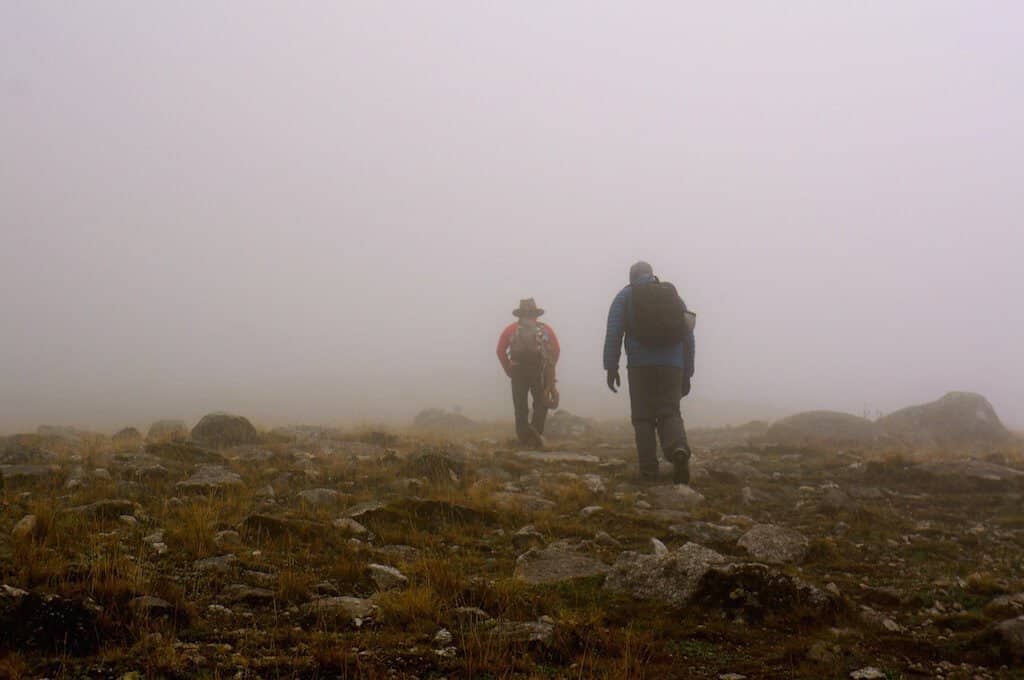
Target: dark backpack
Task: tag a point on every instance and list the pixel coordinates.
(659, 315)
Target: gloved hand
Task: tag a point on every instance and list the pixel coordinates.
(613, 379)
(686, 385)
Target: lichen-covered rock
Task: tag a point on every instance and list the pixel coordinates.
(671, 578)
(209, 478)
(224, 429)
(556, 563)
(774, 544)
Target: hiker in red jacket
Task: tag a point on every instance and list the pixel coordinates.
(528, 351)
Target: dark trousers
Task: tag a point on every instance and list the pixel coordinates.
(654, 395)
(528, 380)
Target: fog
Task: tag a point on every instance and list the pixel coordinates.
(325, 212)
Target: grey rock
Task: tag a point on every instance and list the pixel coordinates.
(674, 496)
(387, 578)
(25, 529)
(106, 509)
(556, 457)
(834, 500)
(139, 466)
(149, 607)
(774, 544)
(527, 537)
(1005, 606)
(556, 563)
(223, 430)
(1010, 635)
(958, 420)
(227, 537)
(671, 578)
(127, 437)
(564, 425)
(350, 526)
(239, 593)
(209, 478)
(319, 496)
(351, 610)
(522, 631)
(220, 563)
(521, 501)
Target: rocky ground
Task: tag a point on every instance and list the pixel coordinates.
(307, 552)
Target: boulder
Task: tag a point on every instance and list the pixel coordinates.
(128, 437)
(223, 430)
(774, 544)
(822, 428)
(1010, 635)
(167, 430)
(674, 496)
(671, 578)
(957, 420)
(556, 563)
(439, 419)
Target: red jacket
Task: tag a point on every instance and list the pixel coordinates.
(506, 339)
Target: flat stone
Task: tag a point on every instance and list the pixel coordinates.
(353, 610)
(209, 478)
(239, 593)
(671, 578)
(557, 563)
(387, 578)
(556, 457)
(350, 526)
(674, 496)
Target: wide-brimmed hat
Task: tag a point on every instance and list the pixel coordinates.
(527, 308)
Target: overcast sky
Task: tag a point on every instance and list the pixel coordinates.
(325, 212)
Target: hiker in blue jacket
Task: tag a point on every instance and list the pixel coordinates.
(659, 368)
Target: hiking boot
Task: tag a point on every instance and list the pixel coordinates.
(681, 467)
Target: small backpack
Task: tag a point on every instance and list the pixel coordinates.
(660, 318)
(527, 346)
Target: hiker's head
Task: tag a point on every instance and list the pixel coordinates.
(639, 270)
(527, 310)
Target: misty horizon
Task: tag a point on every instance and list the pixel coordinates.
(325, 215)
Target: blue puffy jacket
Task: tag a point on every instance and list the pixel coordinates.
(620, 320)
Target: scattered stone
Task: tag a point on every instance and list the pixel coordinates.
(1010, 635)
(522, 631)
(442, 420)
(239, 593)
(223, 429)
(443, 637)
(220, 563)
(866, 493)
(565, 425)
(1005, 606)
(556, 563)
(319, 497)
(210, 478)
(671, 578)
(352, 610)
(774, 544)
(658, 548)
(350, 526)
(28, 473)
(470, 615)
(674, 496)
(106, 509)
(387, 578)
(149, 607)
(277, 527)
(974, 470)
(603, 538)
(591, 510)
(824, 653)
(139, 466)
(556, 457)
(521, 501)
(867, 673)
(706, 533)
(527, 537)
(227, 537)
(435, 467)
(25, 529)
